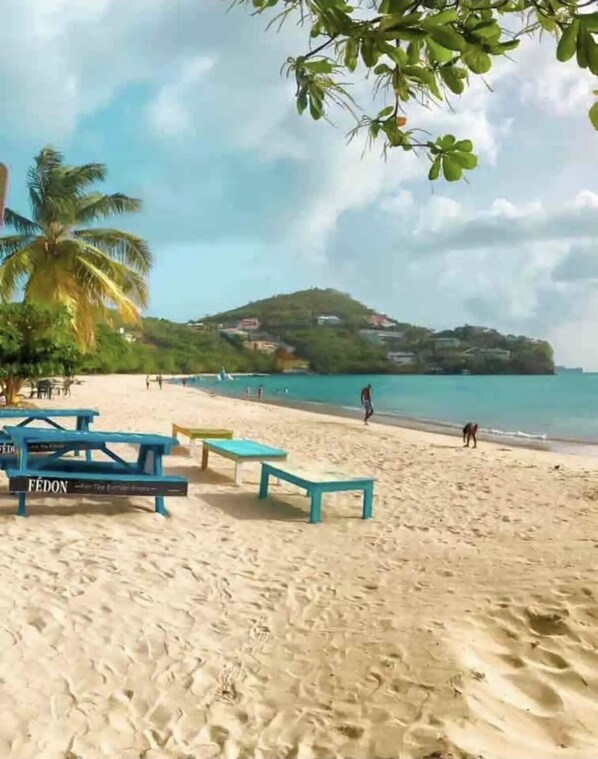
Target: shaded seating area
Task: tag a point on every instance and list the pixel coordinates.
(51, 474)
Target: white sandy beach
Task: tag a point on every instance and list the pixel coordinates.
(462, 619)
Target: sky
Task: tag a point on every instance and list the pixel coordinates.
(185, 102)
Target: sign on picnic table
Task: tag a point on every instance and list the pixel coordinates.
(72, 486)
(8, 449)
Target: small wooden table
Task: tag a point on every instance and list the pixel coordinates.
(240, 451)
(200, 433)
(316, 482)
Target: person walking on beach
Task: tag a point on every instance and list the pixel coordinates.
(184, 381)
(159, 380)
(147, 382)
(260, 392)
(366, 402)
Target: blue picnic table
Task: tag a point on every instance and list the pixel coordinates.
(83, 418)
(50, 473)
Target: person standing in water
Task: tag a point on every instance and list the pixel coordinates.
(260, 392)
(366, 402)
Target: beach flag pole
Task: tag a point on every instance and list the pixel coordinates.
(3, 191)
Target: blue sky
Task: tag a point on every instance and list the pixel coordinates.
(244, 199)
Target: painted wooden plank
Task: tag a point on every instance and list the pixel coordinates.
(244, 449)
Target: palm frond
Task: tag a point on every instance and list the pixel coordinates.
(79, 177)
(98, 206)
(132, 284)
(112, 289)
(125, 247)
(13, 273)
(20, 223)
(13, 244)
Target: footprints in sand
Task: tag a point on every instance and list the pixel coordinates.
(532, 686)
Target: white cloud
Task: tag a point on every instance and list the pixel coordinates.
(168, 113)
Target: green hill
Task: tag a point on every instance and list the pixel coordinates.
(323, 330)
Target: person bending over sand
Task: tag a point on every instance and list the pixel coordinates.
(470, 432)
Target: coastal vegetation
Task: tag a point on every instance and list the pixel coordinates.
(35, 341)
(72, 273)
(411, 54)
(59, 256)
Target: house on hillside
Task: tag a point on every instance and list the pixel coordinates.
(400, 358)
(234, 332)
(329, 321)
(380, 322)
(498, 353)
(262, 346)
(126, 336)
(198, 326)
(249, 325)
(446, 343)
(378, 337)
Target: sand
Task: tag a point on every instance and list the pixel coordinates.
(462, 619)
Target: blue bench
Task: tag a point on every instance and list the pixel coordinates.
(316, 482)
(52, 474)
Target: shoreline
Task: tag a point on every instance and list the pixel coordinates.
(551, 445)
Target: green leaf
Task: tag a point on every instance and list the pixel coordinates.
(594, 115)
(385, 112)
(351, 54)
(413, 49)
(302, 100)
(452, 80)
(582, 48)
(589, 21)
(369, 53)
(382, 68)
(391, 23)
(394, 6)
(464, 146)
(451, 169)
(444, 17)
(434, 172)
(487, 31)
(447, 142)
(319, 67)
(505, 47)
(548, 24)
(465, 160)
(476, 60)
(568, 42)
(447, 37)
(592, 52)
(438, 53)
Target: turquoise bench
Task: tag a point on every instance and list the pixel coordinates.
(317, 482)
(53, 475)
(240, 451)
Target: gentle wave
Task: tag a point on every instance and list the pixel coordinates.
(519, 433)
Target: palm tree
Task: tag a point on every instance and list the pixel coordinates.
(59, 257)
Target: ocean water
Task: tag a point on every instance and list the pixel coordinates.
(559, 407)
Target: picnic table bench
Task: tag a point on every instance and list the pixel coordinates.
(200, 433)
(83, 418)
(240, 451)
(52, 474)
(316, 482)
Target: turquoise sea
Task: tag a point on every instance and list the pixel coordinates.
(559, 407)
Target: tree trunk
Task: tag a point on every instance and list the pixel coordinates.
(11, 389)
